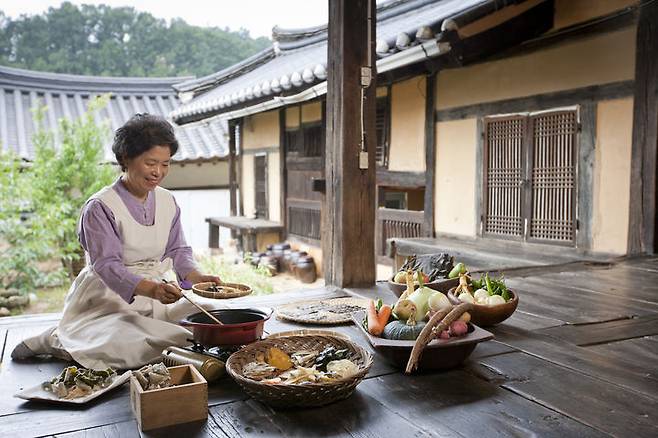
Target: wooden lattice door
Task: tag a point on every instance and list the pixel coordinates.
(530, 174)
(260, 173)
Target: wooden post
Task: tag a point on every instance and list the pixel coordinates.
(430, 154)
(283, 174)
(642, 211)
(348, 240)
(240, 133)
(232, 177)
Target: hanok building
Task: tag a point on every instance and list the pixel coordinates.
(199, 173)
(497, 121)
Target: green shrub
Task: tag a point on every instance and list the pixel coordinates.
(41, 201)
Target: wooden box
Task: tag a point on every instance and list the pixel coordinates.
(186, 401)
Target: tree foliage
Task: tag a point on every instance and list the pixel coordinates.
(106, 41)
(41, 202)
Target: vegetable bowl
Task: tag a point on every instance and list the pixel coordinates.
(439, 354)
(441, 284)
(492, 301)
(436, 271)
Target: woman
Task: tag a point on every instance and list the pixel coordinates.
(119, 313)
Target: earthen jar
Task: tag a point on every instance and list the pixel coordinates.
(305, 269)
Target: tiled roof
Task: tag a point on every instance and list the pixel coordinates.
(298, 58)
(67, 96)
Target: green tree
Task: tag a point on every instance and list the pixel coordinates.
(41, 202)
(106, 41)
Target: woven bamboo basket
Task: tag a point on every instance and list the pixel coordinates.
(299, 395)
(228, 290)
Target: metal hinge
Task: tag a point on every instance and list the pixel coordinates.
(366, 76)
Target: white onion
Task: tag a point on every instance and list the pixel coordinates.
(466, 298)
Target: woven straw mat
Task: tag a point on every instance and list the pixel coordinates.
(329, 311)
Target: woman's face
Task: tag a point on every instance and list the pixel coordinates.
(146, 171)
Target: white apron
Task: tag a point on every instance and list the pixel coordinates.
(98, 328)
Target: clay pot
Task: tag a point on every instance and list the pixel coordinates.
(255, 258)
(305, 269)
(284, 262)
(270, 262)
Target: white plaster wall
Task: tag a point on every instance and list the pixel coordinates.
(196, 206)
(612, 176)
(455, 177)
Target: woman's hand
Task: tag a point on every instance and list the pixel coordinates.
(196, 277)
(163, 292)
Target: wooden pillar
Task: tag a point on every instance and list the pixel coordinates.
(232, 177)
(642, 212)
(430, 154)
(348, 240)
(283, 175)
(240, 142)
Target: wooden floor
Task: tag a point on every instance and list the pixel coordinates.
(578, 358)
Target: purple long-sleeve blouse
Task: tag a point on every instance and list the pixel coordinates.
(99, 236)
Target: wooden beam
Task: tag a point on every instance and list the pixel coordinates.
(348, 241)
(608, 23)
(593, 93)
(283, 175)
(642, 212)
(528, 24)
(232, 176)
(407, 180)
(430, 155)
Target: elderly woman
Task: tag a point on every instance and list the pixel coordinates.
(118, 312)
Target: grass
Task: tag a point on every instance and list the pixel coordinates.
(257, 278)
(51, 299)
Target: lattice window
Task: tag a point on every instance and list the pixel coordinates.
(530, 171)
(382, 123)
(313, 140)
(503, 194)
(304, 222)
(553, 176)
(260, 173)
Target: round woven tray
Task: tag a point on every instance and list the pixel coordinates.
(326, 312)
(299, 395)
(229, 290)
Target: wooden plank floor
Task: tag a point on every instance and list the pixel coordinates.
(578, 358)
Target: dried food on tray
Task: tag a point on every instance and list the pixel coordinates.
(300, 367)
(221, 291)
(154, 376)
(329, 311)
(74, 382)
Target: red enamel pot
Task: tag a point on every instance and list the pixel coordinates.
(240, 326)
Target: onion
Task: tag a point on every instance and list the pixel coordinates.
(466, 298)
(437, 301)
(495, 300)
(481, 296)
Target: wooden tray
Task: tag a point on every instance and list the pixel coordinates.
(325, 312)
(438, 354)
(229, 290)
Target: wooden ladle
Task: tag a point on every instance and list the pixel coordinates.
(208, 314)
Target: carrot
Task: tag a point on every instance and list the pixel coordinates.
(384, 314)
(375, 328)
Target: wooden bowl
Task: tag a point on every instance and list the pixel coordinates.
(440, 354)
(442, 285)
(488, 315)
